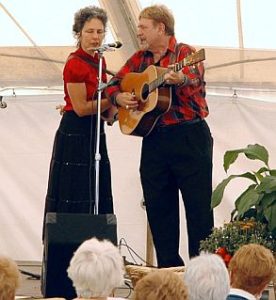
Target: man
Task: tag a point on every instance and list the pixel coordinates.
(177, 154)
(251, 269)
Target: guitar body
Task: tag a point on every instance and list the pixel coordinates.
(153, 99)
(151, 104)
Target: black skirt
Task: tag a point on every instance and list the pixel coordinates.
(71, 185)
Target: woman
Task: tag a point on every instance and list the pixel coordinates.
(72, 180)
(96, 269)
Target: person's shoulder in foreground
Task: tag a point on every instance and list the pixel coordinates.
(251, 269)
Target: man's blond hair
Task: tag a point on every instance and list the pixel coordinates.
(159, 14)
(252, 267)
(9, 278)
(161, 285)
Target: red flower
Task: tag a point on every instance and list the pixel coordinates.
(221, 251)
(227, 259)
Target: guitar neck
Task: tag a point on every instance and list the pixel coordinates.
(187, 61)
(190, 60)
(156, 83)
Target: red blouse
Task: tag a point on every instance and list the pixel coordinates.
(76, 70)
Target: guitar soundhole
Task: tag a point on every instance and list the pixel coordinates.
(145, 92)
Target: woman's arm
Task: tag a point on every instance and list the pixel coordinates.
(82, 107)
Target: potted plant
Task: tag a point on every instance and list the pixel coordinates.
(253, 219)
(258, 200)
(227, 239)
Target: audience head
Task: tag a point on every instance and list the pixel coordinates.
(161, 285)
(207, 278)
(9, 278)
(251, 268)
(96, 268)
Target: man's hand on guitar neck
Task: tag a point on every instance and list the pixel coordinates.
(177, 78)
(127, 100)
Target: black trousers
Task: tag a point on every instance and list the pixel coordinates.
(177, 158)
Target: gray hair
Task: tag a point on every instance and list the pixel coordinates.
(96, 268)
(207, 278)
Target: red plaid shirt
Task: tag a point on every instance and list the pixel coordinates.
(188, 102)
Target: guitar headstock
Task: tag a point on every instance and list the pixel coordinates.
(191, 59)
(195, 57)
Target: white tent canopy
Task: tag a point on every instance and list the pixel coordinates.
(241, 86)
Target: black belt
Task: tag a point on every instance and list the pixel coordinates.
(178, 125)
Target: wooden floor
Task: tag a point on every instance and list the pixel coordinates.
(29, 286)
(30, 283)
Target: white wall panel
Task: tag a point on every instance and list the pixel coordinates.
(28, 126)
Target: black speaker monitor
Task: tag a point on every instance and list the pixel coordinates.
(64, 232)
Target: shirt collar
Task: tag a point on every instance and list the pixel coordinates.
(171, 46)
(242, 293)
(85, 54)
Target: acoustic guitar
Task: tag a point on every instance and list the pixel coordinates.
(153, 100)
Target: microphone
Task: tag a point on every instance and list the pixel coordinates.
(108, 47)
(116, 44)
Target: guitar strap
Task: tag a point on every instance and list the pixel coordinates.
(175, 55)
(199, 67)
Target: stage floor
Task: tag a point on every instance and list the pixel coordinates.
(30, 283)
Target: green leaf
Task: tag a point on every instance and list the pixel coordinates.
(229, 158)
(268, 199)
(259, 174)
(251, 151)
(272, 172)
(267, 185)
(248, 175)
(247, 199)
(257, 152)
(270, 214)
(219, 190)
(237, 202)
(233, 213)
(263, 169)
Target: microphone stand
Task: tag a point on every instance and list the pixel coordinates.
(2, 103)
(101, 87)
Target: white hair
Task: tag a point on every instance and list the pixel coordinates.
(96, 268)
(207, 278)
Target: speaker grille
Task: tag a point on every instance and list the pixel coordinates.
(64, 232)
